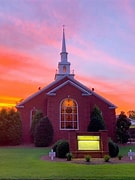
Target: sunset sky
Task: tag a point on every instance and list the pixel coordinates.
(100, 40)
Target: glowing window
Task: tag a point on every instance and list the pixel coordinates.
(88, 143)
(64, 69)
(68, 114)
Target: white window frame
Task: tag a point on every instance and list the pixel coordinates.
(31, 114)
(71, 114)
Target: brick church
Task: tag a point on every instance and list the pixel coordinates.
(67, 103)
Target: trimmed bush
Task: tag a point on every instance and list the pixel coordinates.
(61, 148)
(120, 156)
(106, 158)
(113, 149)
(69, 156)
(54, 147)
(43, 133)
(87, 158)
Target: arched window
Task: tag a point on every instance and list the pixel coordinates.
(68, 114)
(32, 113)
(64, 69)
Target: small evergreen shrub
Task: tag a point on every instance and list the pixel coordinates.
(43, 133)
(106, 158)
(62, 148)
(96, 121)
(113, 149)
(87, 158)
(69, 156)
(120, 156)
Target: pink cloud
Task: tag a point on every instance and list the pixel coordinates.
(89, 53)
(23, 67)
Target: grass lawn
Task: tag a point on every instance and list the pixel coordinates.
(25, 163)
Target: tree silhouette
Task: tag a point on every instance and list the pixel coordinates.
(10, 127)
(122, 128)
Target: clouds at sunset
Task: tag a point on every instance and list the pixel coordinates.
(100, 40)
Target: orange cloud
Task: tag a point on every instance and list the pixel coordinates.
(119, 93)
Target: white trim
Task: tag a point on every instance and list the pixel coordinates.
(63, 129)
(112, 107)
(83, 94)
(19, 106)
(72, 83)
(31, 111)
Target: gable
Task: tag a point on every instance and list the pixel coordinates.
(84, 91)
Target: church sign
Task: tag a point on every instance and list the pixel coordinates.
(88, 142)
(84, 143)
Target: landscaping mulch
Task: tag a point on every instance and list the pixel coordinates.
(93, 161)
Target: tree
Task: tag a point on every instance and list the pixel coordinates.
(10, 127)
(43, 133)
(131, 114)
(36, 119)
(15, 127)
(96, 121)
(122, 128)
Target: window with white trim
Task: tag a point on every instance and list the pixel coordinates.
(32, 113)
(68, 114)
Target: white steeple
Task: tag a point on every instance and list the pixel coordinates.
(63, 65)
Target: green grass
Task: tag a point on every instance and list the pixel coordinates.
(26, 163)
(124, 149)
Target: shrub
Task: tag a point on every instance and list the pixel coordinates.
(120, 156)
(106, 158)
(87, 158)
(43, 133)
(69, 156)
(113, 149)
(54, 147)
(61, 148)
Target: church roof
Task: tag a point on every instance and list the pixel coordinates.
(57, 84)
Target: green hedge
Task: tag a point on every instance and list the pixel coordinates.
(61, 147)
(113, 149)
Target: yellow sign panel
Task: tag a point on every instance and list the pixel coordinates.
(88, 138)
(89, 143)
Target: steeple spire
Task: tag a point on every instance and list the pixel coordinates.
(63, 41)
(63, 53)
(63, 65)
